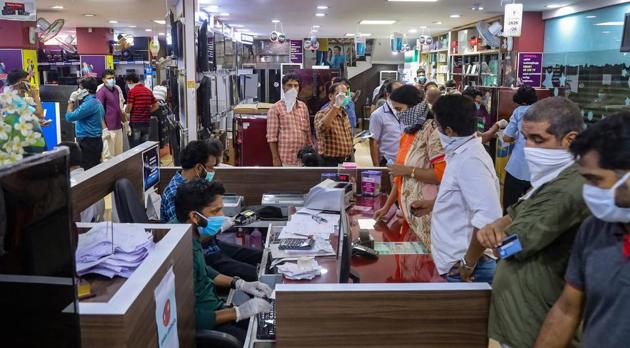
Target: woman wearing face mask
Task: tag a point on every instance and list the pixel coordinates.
(200, 203)
(17, 81)
(419, 166)
(598, 274)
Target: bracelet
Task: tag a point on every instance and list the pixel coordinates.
(413, 172)
(466, 266)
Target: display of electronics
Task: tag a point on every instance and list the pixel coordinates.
(219, 46)
(344, 250)
(37, 269)
(625, 38)
(296, 244)
(266, 323)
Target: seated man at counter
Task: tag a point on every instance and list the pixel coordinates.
(200, 203)
(198, 160)
(334, 132)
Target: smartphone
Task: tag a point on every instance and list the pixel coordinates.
(510, 246)
(45, 122)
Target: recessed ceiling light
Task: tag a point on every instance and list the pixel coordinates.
(319, 14)
(161, 34)
(113, 22)
(275, 21)
(423, 27)
(148, 30)
(322, 7)
(610, 24)
(377, 22)
(314, 31)
(316, 26)
(160, 21)
(361, 34)
(438, 23)
(394, 53)
(413, 31)
(132, 26)
(212, 8)
(57, 7)
(589, 17)
(455, 15)
(412, 0)
(555, 5)
(89, 15)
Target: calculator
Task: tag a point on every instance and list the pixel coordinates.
(296, 244)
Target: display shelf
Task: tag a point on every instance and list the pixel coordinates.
(439, 51)
(475, 53)
(59, 63)
(133, 62)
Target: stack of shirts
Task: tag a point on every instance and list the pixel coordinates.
(99, 253)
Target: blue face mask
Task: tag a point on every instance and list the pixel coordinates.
(478, 106)
(346, 102)
(111, 83)
(212, 224)
(209, 175)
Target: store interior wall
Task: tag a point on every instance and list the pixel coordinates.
(382, 53)
(366, 82)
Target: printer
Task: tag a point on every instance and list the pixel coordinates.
(329, 195)
(283, 201)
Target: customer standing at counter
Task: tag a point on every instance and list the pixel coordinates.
(598, 275)
(334, 132)
(386, 130)
(200, 203)
(109, 94)
(288, 125)
(140, 104)
(87, 113)
(545, 222)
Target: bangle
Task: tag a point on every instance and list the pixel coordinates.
(467, 266)
(413, 173)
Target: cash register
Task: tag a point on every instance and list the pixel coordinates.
(283, 201)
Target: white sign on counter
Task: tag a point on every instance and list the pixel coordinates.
(166, 311)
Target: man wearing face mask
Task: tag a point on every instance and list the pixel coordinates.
(200, 203)
(421, 76)
(545, 221)
(468, 196)
(334, 133)
(109, 94)
(288, 125)
(598, 274)
(483, 117)
(386, 129)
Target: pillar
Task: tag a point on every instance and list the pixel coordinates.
(18, 49)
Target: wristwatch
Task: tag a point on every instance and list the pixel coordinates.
(233, 283)
(466, 265)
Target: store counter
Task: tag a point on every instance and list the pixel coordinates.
(122, 312)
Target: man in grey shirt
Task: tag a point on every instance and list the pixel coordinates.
(598, 275)
(386, 129)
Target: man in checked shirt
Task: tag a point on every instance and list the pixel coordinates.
(288, 125)
(334, 132)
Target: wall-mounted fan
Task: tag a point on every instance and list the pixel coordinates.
(67, 43)
(47, 31)
(490, 33)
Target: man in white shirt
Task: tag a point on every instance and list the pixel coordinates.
(468, 197)
(160, 92)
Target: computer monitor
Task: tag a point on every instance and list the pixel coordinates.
(344, 249)
(625, 38)
(37, 242)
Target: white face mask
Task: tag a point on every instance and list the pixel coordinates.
(546, 164)
(290, 98)
(601, 202)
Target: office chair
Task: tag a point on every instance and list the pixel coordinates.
(128, 206)
(216, 339)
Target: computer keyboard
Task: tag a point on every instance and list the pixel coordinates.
(267, 324)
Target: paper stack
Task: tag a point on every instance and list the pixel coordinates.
(99, 253)
(294, 271)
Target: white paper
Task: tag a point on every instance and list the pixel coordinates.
(606, 79)
(366, 224)
(166, 311)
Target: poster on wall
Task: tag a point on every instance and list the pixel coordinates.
(530, 69)
(92, 66)
(29, 64)
(296, 51)
(166, 311)
(513, 20)
(151, 167)
(17, 10)
(9, 59)
(359, 46)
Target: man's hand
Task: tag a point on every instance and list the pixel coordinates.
(277, 162)
(465, 274)
(399, 170)
(251, 308)
(491, 235)
(422, 207)
(257, 289)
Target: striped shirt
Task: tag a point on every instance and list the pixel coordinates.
(141, 99)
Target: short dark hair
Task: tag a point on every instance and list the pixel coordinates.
(429, 84)
(164, 83)
(215, 148)
(333, 88)
(472, 92)
(15, 76)
(196, 152)
(195, 195)
(291, 77)
(451, 84)
(342, 80)
(389, 87)
(420, 70)
(610, 138)
(89, 83)
(309, 157)
(457, 112)
(408, 95)
(563, 115)
(108, 72)
(337, 46)
(75, 152)
(132, 77)
(525, 95)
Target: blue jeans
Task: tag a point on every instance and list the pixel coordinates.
(484, 272)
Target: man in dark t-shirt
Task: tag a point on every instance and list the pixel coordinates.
(140, 104)
(597, 288)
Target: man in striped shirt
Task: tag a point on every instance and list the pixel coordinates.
(140, 104)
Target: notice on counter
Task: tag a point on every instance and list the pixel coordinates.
(296, 51)
(530, 69)
(166, 311)
(16, 10)
(151, 167)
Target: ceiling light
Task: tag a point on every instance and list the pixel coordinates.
(455, 16)
(161, 34)
(314, 31)
(212, 8)
(361, 34)
(89, 15)
(394, 53)
(377, 22)
(322, 7)
(555, 5)
(413, 31)
(438, 23)
(423, 27)
(57, 7)
(589, 17)
(113, 22)
(148, 30)
(412, 0)
(132, 26)
(316, 26)
(610, 24)
(275, 21)
(159, 21)
(319, 14)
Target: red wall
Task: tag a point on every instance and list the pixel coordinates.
(14, 34)
(96, 42)
(532, 33)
